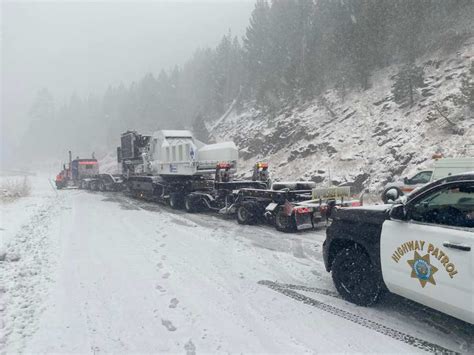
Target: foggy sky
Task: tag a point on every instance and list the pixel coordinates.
(83, 47)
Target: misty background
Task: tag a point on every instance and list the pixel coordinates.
(77, 75)
(81, 48)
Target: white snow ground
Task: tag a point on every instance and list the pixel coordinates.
(106, 273)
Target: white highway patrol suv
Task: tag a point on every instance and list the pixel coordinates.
(421, 249)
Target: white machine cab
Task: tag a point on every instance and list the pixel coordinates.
(176, 152)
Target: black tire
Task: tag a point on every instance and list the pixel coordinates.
(101, 186)
(176, 200)
(283, 222)
(355, 276)
(246, 214)
(386, 198)
(191, 204)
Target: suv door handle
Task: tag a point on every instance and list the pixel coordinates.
(462, 247)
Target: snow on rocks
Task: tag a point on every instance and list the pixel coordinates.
(363, 136)
(108, 164)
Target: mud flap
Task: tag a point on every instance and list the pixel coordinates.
(303, 221)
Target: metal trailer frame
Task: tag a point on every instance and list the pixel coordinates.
(290, 210)
(254, 205)
(221, 197)
(98, 183)
(195, 193)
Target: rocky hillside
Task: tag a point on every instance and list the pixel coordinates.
(365, 138)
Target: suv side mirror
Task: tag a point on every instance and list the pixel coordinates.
(398, 212)
(406, 180)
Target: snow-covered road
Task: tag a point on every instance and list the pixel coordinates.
(101, 272)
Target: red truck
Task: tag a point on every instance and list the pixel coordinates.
(77, 170)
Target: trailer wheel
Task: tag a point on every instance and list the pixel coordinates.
(283, 222)
(101, 186)
(246, 214)
(190, 204)
(176, 200)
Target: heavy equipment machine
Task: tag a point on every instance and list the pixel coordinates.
(173, 166)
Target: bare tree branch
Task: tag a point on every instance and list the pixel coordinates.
(439, 109)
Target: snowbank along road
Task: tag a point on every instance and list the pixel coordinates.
(101, 272)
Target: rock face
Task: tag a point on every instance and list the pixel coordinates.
(366, 138)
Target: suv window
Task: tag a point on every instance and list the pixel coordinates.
(421, 178)
(450, 205)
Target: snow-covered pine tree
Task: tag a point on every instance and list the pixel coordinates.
(256, 49)
(406, 81)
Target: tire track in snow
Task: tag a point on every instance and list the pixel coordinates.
(300, 288)
(354, 318)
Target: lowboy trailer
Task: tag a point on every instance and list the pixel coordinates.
(222, 195)
(291, 206)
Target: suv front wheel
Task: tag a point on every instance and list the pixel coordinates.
(355, 277)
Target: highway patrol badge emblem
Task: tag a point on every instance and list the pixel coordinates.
(422, 269)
